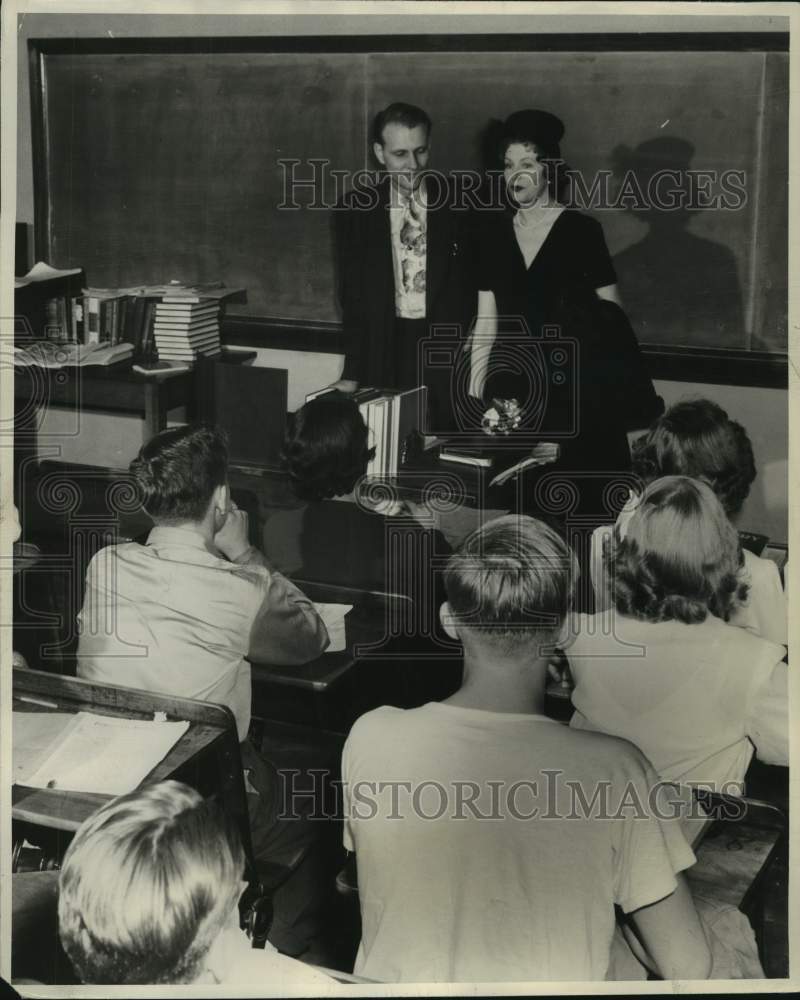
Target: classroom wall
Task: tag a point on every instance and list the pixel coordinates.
(714, 277)
(112, 440)
(67, 26)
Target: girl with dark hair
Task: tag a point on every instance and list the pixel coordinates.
(353, 531)
(326, 450)
(550, 331)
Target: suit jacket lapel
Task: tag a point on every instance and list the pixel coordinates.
(379, 244)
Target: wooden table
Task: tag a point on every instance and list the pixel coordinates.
(117, 388)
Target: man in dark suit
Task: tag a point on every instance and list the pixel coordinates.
(402, 262)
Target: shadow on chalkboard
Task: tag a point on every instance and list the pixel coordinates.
(672, 282)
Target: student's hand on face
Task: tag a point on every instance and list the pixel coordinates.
(558, 669)
(232, 538)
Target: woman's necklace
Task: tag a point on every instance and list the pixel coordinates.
(531, 218)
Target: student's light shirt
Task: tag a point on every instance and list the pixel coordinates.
(408, 219)
(487, 889)
(177, 618)
(693, 698)
(234, 962)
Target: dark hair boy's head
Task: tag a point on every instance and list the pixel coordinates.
(326, 450)
(697, 438)
(178, 470)
(399, 113)
(511, 580)
(147, 885)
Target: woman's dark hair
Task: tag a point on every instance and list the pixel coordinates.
(326, 450)
(697, 438)
(679, 557)
(538, 129)
(178, 470)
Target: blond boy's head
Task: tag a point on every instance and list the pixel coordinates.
(146, 886)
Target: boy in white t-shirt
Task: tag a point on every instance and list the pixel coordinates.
(493, 843)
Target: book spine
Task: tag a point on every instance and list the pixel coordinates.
(385, 435)
(76, 318)
(148, 342)
(122, 325)
(380, 449)
(363, 409)
(394, 407)
(91, 305)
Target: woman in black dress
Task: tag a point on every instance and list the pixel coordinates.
(548, 310)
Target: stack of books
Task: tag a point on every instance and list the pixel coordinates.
(142, 315)
(394, 420)
(186, 327)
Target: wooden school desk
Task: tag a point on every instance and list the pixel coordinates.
(325, 690)
(210, 741)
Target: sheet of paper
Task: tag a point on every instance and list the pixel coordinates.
(34, 734)
(97, 753)
(333, 615)
(44, 272)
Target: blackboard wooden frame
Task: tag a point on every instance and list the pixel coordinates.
(704, 365)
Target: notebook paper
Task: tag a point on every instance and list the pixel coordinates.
(96, 753)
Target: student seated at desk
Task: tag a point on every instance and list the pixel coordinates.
(354, 534)
(476, 861)
(184, 613)
(343, 535)
(665, 668)
(148, 895)
(697, 438)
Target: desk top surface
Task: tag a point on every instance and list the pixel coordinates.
(66, 810)
(365, 626)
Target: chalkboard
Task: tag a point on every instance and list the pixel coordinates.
(166, 164)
